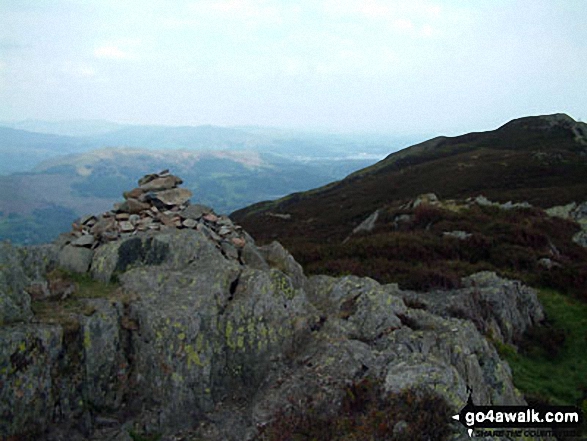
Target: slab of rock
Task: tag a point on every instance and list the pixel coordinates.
(86, 240)
(161, 183)
(133, 206)
(135, 193)
(189, 223)
(176, 196)
(195, 211)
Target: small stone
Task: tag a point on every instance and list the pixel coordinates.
(225, 220)
(147, 178)
(210, 217)
(238, 242)
(126, 226)
(162, 183)
(189, 223)
(86, 240)
(195, 211)
(145, 222)
(85, 220)
(133, 206)
(134, 219)
(224, 231)
(174, 196)
(209, 233)
(229, 250)
(110, 235)
(167, 220)
(135, 193)
(122, 216)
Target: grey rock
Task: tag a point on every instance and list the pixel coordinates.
(176, 196)
(500, 308)
(229, 250)
(134, 219)
(368, 224)
(133, 206)
(75, 259)
(28, 354)
(175, 248)
(160, 183)
(86, 240)
(457, 234)
(14, 300)
(195, 211)
(547, 263)
(189, 223)
(88, 218)
(581, 238)
(224, 231)
(278, 257)
(251, 257)
(104, 362)
(126, 226)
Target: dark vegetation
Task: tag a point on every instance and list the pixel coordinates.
(41, 226)
(520, 161)
(416, 254)
(368, 414)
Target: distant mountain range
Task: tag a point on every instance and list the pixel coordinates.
(83, 167)
(541, 160)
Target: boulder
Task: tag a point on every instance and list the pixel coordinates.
(75, 258)
(195, 211)
(500, 308)
(278, 257)
(161, 183)
(175, 196)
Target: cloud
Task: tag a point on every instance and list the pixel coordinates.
(79, 70)
(257, 11)
(111, 52)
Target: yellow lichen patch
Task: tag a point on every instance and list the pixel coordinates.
(193, 356)
(228, 334)
(87, 339)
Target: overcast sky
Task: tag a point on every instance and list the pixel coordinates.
(395, 66)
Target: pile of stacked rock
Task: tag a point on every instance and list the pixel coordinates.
(157, 204)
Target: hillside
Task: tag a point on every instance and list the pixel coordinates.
(541, 160)
(160, 319)
(512, 201)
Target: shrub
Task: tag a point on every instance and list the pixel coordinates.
(368, 414)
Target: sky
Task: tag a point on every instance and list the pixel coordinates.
(397, 66)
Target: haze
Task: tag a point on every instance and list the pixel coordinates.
(417, 66)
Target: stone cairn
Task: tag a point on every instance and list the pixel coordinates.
(157, 204)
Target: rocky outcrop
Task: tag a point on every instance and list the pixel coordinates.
(195, 340)
(575, 212)
(499, 308)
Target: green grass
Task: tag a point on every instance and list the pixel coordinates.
(64, 312)
(559, 379)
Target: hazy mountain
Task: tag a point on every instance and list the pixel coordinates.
(21, 150)
(542, 160)
(56, 177)
(36, 206)
(77, 127)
